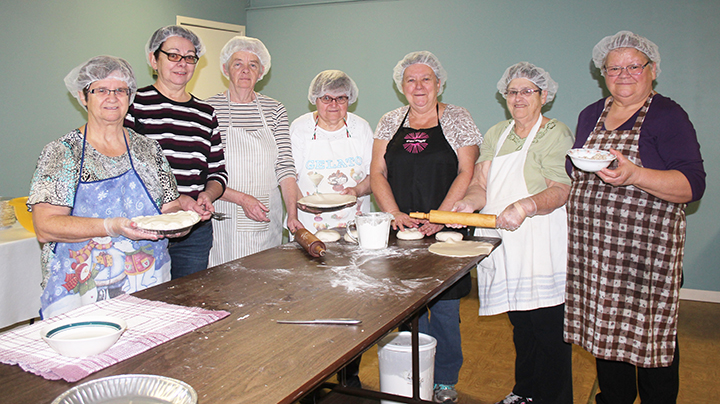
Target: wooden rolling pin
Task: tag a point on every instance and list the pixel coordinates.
(468, 219)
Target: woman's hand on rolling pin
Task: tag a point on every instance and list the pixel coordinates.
(294, 225)
(460, 206)
(513, 216)
(402, 221)
(624, 174)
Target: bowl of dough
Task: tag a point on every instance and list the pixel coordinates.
(590, 160)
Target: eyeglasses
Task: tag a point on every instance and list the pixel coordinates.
(105, 92)
(176, 57)
(525, 92)
(326, 99)
(635, 70)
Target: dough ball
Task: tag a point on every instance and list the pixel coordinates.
(410, 234)
(347, 236)
(451, 236)
(328, 236)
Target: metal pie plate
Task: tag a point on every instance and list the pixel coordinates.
(137, 389)
(326, 202)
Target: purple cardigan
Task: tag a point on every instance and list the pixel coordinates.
(667, 140)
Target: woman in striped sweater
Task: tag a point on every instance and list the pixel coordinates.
(187, 131)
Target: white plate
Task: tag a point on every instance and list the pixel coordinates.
(168, 223)
(140, 389)
(83, 336)
(327, 201)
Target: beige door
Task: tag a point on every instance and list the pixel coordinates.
(208, 79)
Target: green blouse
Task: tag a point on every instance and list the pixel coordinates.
(546, 156)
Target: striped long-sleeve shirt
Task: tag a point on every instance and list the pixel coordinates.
(246, 116)
(188, 134)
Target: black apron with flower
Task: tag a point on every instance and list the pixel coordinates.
(421, 167)
(625, 253)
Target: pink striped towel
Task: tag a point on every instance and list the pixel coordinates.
(150, 323)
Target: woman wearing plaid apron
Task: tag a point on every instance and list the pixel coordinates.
(626, 227)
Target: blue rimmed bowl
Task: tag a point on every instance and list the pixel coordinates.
(83, 336)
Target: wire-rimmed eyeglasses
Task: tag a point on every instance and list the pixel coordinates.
(634, 70)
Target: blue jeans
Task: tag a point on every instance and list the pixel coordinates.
(443, 323)
(190, 254)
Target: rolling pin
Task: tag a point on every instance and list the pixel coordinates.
(468, 219)
(310, 243)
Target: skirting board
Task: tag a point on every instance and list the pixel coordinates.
(700, 295)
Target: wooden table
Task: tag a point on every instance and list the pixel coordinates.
(247, 357)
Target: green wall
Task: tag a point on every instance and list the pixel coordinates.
(42, 40)
(477, 39)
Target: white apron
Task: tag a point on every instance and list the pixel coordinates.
(250, 158)
(527, 271)
(340, 164)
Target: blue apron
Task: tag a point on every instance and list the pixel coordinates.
(104, 267)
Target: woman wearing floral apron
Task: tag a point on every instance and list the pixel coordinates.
(627, 227)
(423, 156)
(258, 158)
(520, 177)
(87, 187)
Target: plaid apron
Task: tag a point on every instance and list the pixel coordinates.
(625, 253)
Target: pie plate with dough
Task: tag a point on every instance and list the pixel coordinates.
(168, 223)
(326, 202)
(461, 248)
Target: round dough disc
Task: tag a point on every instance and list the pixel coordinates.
(451, 236)
(347, 237)
(328, 236)
(461, 248)
(410, 234)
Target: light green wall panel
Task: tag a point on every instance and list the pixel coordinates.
(477, 39)
(43, 40)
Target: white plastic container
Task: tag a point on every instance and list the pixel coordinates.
(395, 359)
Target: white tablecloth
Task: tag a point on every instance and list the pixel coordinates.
(19, 275)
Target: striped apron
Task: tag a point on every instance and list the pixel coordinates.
(625, 253)
(250, 158)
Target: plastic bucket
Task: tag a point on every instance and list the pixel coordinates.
(395, 359)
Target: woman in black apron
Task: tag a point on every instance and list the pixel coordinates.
(423, 158)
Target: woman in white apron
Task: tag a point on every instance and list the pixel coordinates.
(87, 187)
(520, 177)
(258, 157)
(332, 149)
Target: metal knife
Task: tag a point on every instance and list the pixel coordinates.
(330, 321)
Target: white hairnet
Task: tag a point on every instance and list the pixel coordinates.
(100, 68)
(332, 82)
(245, 44)
(425, 58)
(162, 35)
(529, 71)
(625, 39)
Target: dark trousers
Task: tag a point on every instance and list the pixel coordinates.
(543, 361)
(191, 253)
(620, 382)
